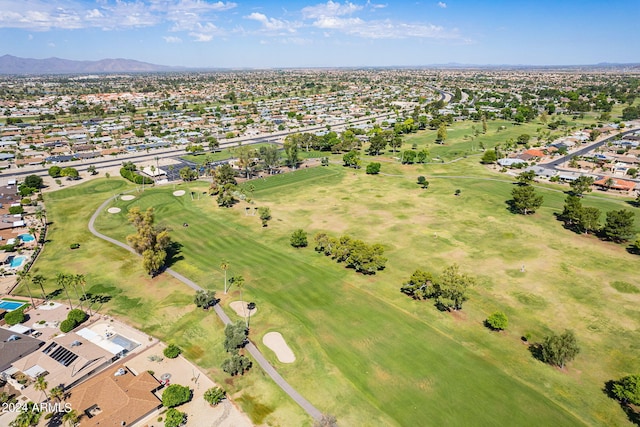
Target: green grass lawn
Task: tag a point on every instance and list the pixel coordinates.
(364, 351)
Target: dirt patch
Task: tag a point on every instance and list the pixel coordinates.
(127, 197)
(276, 342)
(240, 307)
(179, 193)
(114, 210)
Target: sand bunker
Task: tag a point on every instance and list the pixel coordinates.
(275, 342)
(178, 193)
(113, 210)
(240, 307)
(128, 197)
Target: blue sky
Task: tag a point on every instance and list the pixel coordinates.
(308, 33)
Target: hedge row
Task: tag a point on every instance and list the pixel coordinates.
(134, 177)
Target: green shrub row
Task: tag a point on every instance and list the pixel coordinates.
(134, 177)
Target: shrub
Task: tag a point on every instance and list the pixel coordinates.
(174, 418)
(373, 168)
(172, 351)
(299, 238)
(14, 210)
(214, 395)
(175, 395)
(77, 315)
(14, 317)
(497, 321)
(67, 325)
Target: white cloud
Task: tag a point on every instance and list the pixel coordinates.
(328, 9)
(442, 5)
(42, 15)
(278, 26)
(201, 37)
(172, 39)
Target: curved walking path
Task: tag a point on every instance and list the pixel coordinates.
(253, 350)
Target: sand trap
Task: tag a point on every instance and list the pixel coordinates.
(114, 210)
(128, 197)
(275, 342)
(240, 307)
(178, 193)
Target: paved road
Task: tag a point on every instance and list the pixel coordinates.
(253, 350)
(584, 150)
(83, 165)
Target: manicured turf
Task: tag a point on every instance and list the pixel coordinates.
(364, 351)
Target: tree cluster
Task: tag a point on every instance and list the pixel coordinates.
(618, 227)
(356, 254)
(31, 184)
(150, 241)
(205, 299)
(235, 339)
(449, 289)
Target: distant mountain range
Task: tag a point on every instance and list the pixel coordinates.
(14, 65)
(20, 66)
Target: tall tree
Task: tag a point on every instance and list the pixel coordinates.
(291, 151)
(618, 226)
(224, 266)
(559, 349)
(41, 385)
(442, 133)
(581, 185)
(452, 287)
(525, 199)
(63, 280)
(150, 241)
(39, 280)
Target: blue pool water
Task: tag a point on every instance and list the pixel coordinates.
(17, 261)
(27, 238)
(10, 305)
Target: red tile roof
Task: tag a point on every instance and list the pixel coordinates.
(618, 184)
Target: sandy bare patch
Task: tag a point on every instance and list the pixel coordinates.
(240, 307)
(114, 210)
(276, 342)
(127, 197)
(178, 193)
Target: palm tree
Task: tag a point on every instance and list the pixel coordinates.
(25, 277)
(39, 280)
(224, 265)
(41, 385)
(56, 393)
(40, 214)
(239, 282)
(63, 280)
(72, 417)
(26, 418)
(251, 306)
(82, 281)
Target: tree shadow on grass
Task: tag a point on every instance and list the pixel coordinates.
(632, 413)
(536, 351)
(54, 294)
(173, 254)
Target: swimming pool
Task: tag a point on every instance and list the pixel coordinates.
(10, 305)
(27, 238)
(17, 261)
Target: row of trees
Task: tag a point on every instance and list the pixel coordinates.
(356, 254)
